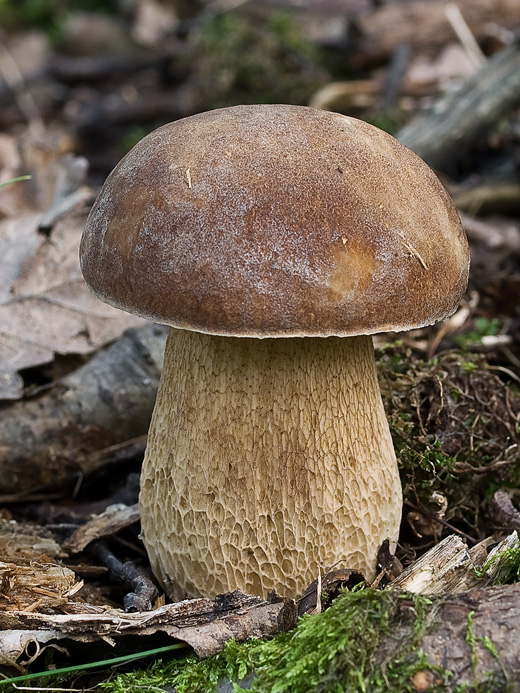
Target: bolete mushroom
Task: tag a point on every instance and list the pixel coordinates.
(274, 240)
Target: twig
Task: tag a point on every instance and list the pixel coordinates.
(464, 467)
(395, 73)
(14, 78)
(438, 519)
(465, 35)
(144, 592)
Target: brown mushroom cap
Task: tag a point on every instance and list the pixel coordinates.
(276, 220)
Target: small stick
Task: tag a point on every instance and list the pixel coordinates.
(432, 516)
(15, 80)
(465, 35)
(409, 247)
(143, 593)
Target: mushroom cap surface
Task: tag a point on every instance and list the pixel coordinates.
(273, 221)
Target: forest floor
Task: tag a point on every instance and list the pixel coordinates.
(78, 89)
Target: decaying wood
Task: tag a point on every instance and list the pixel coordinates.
(59, 434)
(26, 542)
(494, 198)
(31, 574)
(451, 567)
(111, 521)
(36, 585)
(204, 624)
(474, 635)
(424, 24)
(440, 135)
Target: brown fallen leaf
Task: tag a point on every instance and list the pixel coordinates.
(45, 307)
(502, 512)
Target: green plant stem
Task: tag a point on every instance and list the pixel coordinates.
(15, 180)
(94, 665)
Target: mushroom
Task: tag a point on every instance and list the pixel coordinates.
(275, 240)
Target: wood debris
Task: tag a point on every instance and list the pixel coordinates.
(204, 624)
(111, 521)
(37, 585)
(451, 567)
(31, 574)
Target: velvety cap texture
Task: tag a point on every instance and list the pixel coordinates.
(275, 220)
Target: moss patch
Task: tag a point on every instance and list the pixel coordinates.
(455, 428)
(46, 15)
(255, 59)
(333, 651)
(509, 572)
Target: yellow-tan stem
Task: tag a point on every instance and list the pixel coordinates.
(268, 460)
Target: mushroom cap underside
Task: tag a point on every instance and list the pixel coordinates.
(275, 220)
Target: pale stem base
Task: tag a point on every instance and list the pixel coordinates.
(268, 461)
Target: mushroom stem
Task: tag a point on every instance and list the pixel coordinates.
(268, 461)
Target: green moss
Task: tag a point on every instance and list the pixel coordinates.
(332, 651)
(248, 59)
(482, 327)
(47, 15)
(494, 681)
(509, 571)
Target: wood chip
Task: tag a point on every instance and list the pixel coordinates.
(112, 520)
(450, 567)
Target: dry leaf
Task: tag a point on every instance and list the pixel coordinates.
(452, 63)
(45, 306)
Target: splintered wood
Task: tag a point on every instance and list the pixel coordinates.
(451, 567)
(31, 577)
(35, 586)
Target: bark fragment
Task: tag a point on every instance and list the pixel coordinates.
(59, 434)
(204, 624)
(441, 134)
(111, 521)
